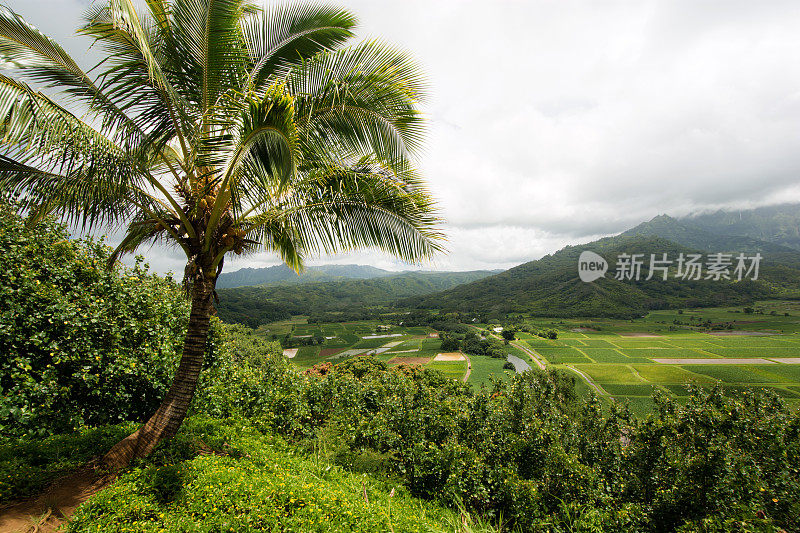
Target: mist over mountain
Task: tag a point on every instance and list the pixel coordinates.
(778, 224)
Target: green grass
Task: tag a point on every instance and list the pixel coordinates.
(306, 356)
(730, 373)
(617, 389)
(259, 484)
(375, 343)
(609, 373)
(735, 390)
(562, 354)
(606, 355)
(484, 367)
(641, 406)
(455, 369)
(754, 351)
(656, 373)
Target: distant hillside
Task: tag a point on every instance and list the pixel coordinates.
(778, 224)
(262, 304)
(685, 232)
(551, 287)
(282, 274)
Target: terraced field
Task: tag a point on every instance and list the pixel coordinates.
(397, 345)
(623, 360)
(629, 360)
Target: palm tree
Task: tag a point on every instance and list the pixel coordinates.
(218, 127)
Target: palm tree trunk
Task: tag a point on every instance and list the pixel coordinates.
(167, 419)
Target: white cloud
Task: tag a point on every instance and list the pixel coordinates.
(555, 122)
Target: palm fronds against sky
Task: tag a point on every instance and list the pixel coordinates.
(219, 126)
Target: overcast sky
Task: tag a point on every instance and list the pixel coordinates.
(556, 122)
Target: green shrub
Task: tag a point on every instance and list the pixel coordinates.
(530, 453)
(265, 487)
(81, 345)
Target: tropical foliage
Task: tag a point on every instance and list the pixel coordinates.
(217, 127)
(526, 455)
(531, 454)
(81, 344)
(255, 482)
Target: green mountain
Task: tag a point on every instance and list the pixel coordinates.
(282, 274)
(778, 224)
(551, 287)
(258, 305)
(691, 235)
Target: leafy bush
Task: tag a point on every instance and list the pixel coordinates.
(253, 482)
(450, 343)
(531, 452)
(81, 344)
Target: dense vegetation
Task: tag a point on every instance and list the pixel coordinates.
(528, 454)
(255, 482)
(254, 306)
(287, 450)
(80, 344)
(533, 453)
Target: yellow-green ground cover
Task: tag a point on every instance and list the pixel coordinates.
(259, 484)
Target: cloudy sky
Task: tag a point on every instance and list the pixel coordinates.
(556, 122)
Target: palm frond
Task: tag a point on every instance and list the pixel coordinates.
(286, 34)
(346, 209)
(209, 41)
(271, 135)
(134, 74)
(150, 226)
(361, 101)
(56, 160)
(25, 49)
(260, 155)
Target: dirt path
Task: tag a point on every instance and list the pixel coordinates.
(50, 510)
(469, 368)
(533, 355)
(588, 380)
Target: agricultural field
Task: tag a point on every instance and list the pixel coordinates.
(667, 350)
(623, 360)
(395, 345)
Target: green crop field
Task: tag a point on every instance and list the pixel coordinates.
(629, 359)
(625, 360)
(398, 344)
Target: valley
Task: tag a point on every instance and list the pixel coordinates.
(626, 361)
